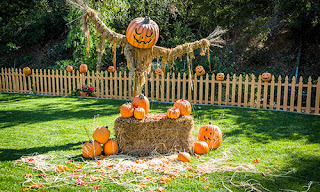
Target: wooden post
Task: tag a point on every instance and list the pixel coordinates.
(227, 90)
(272, 93)
(213, 83)
(206, 99)
(111, 85)
(53, 82)
(38, 81)
(162, 88)
(246, 85)
(184, 86)
(259, 92)
(120, 85)
(201, 90)
(240, 90)
(157, 88)
(178, 87)
(195, 89)
(130, 86)
(219, 92)
(173, 88)
(125, 86)
(233, 94)
(265, 94)
(106, 79)
(309, 95)
(152, 85)
(293, 90)
(20, 81)
(279, 87)
(61, 82)
(285, 95)
(45, 76)
(168, 88)
(317, 97)
(9, 80)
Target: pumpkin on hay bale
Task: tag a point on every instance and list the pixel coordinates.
(154, 134)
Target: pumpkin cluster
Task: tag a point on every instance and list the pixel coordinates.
(139, 107)
(180, 107)
(100, 137)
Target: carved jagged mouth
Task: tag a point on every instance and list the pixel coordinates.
(141, 41)
(207, 138)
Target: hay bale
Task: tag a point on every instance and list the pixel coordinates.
(154, 134)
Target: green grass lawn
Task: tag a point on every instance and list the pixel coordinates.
(282, 142)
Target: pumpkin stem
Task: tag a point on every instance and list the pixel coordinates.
(141, 96)
(107, 127)
(146, 20)
(90, 141)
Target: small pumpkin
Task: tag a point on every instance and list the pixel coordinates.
(173, 113)
(200, 70)
(111, 69)
(220, 77)
(184, 106)
(139, 113)
(83, 68)
(201, 147)
(91, 149)
(110, 147)
(69, 68)
(159, 71)
(142, 101)
(184, 157)
(101, 134)
(266, 77)
(26, 71)
(211, 134)
(142, 32)
(127, 110)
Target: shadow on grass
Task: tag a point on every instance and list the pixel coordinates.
(14, 154)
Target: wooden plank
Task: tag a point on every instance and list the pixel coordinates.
(285, 96)
(271, 93)
(70, 85)
(65, 82)
(259, 92)
(120, 85)
(146, 86)
(184, 86)
(130, 86)
(14, 84)
(253, 91)
(309, 95)
(49, 83)
(213, 84)
(163, 93)
(2, 83)
(246, 93)
(53, 82)
(125, 86)
(195, 89)
(168, 88)
(45, 76)
(61, 82)
(233, 94)
(206, 99)
(227, 90)
(152, 86)
(189, 80)
(179, 87)
(201, 90)
(293, 91)
(240, 90)
(106, 81)
(157, 87)
(265, 94)
(37, 81)
(300, 87)
(73, 77)
(115, 87)
(111, 85)
(173, 88)
(316, 109)
(41, 82)
(219, 92)
(10, 80)
(279, 88)
(7, 80)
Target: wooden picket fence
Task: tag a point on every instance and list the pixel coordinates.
(280, 94)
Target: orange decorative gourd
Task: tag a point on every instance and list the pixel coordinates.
(142, 101)
(139, 113)
(111, 69)
(91, 149)
(110, 148)
(266, 77)
(211, 134)
(200, 70)
(101, 134)
(127, 110)
(173, 113)
(184, 157)
(159, 71)
(220, 77)
(184, 106)
(83, 68)
(201, 147)
(69, 68)
(26, 71)
(142, 32)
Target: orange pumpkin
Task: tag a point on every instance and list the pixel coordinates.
(173, 113)
(110, 147)
(266, 77)
(142, 101)
(200, 70)
(91, 149)
(211, 134)
(83, 68)
(69, 68)
(184, 106)
(126, 110)
(201, 147)
(139, 113)
(142, 32)
(111, 69)
(101, 134)
(159, 71)
(220, 77)
(184, 157)
(26, 71)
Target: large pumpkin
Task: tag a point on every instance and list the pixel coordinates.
(83, 68)
(184, 106)
(211, 134)
(220, 77)
(91, 149)
(201, 147)
(69, 68)
(101, 134)
(200, 70)
(142, 101)
(110, 148)
(126, 110)
(26, 71)
(142, 32)
(266, 77)
(173, 113)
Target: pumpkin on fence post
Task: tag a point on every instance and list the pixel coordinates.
(83, 68)
(211, 134)
(200, 70)
(101, 134)
(111, 69)
(266, 77)
(184, 106)
(69, 68)
(26, 71)
(220, 77)
(91, 149)
(158, 71)
(142, 101)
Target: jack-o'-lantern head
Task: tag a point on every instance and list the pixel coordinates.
(158, 71)
(266, 77)
(142, 32)
(200, 70)
(220, 77)
(111, 69)
(211, 134)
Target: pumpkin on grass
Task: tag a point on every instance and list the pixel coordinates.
(184, 106)
(211, 134)
(127, 110)
(69, 68)
(83, 68)
(201, 147)
(184, 157)
(26, 71)
(110, 147)
(142, 101)
(173, 113)
(139, 113)
(91, 149)
(200, 70)
(101, 134)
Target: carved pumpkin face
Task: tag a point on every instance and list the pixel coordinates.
(159, 71)
(173, 113)
(211, 134)
(111, 69)
(26, 71)
(142, 32)
(266, 77)
(83, 68)
(200, 70)
(69, 68)
(220, 77)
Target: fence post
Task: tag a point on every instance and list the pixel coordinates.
(178, 87)
(162, 87)
(293, 91)
(246, 93)
(259, 92)
(309, 95)
(240, 90)
(285, 94)
(195, 89)
(317, 97)
(207, 90)
(253, 88)
(173, 88)
(271, 93)
(233, 96)
(120, 85)
(213, 84)
(279, 95)
(227, 90)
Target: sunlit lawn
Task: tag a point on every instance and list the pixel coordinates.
(282, 142)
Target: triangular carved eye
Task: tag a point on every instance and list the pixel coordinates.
(211, 133)
(206, 129)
